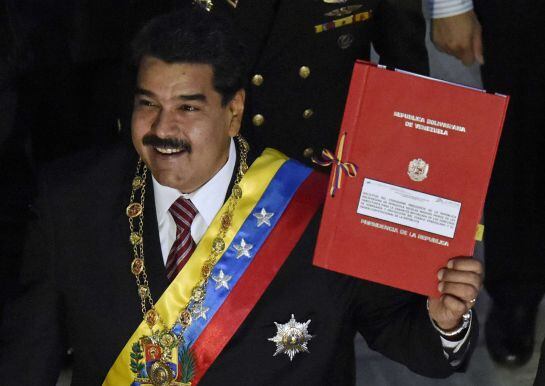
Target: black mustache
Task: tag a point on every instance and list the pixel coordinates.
(155, 141)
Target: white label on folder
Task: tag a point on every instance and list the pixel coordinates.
(408, 207)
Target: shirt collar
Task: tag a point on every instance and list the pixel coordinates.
(208, 199)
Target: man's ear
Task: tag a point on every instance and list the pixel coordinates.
(236, 109)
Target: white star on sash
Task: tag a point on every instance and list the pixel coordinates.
(263, 217)
(222, 280)
(243, 249)
(200, 311)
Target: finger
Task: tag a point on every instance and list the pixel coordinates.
(464, 292)
(437, 35)
(454, 305)
(468, 60)
(466, 264)
(463, 277)
(440, 47)
(454, 50)
(478, 45)
(466, 55)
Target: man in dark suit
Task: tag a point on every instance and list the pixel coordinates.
(540, 377)
(513, 51)
(84, 255)
(14, 164)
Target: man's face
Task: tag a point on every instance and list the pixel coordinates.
(179, 126)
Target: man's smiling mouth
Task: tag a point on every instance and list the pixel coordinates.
(169, 150)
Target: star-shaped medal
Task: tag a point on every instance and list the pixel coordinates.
(243, 249)
(263, 217)
(200, 311)
(291, 338)
(222, 280)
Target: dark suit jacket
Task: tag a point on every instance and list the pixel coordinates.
(513, 51)
(77, 291)
(540, 377)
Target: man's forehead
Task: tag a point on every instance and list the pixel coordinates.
(154, 69)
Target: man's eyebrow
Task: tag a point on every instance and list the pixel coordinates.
(193, 97)
(185, 97)
(142, 91)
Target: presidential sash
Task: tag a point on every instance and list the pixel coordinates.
(280, 197)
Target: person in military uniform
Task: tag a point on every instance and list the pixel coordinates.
(301, 59)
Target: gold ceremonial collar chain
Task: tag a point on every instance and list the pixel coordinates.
(135, 211)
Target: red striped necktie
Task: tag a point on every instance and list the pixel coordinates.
(183, 212)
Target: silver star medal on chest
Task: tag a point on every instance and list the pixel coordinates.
(291, 338)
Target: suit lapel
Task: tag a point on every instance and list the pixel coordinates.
(120, 238)
(155, 266)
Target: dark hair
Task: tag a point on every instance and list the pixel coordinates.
(194, 35)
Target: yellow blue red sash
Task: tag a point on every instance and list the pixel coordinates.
(284, 193)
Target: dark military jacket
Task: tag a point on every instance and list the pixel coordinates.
(301, 57)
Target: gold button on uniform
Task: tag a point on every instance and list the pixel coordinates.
(258, 120)
(308, 113)
(257, 80)
(304, 72)
(308, 152)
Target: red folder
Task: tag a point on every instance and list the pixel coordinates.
(424, 150)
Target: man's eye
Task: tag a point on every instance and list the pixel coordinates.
(146, 103)
(188, 108)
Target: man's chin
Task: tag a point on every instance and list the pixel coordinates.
(166, 174)
(166, 178)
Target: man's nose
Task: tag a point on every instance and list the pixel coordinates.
(165, 123)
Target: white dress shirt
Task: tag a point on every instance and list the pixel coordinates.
(208, 200)
(447, 8)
